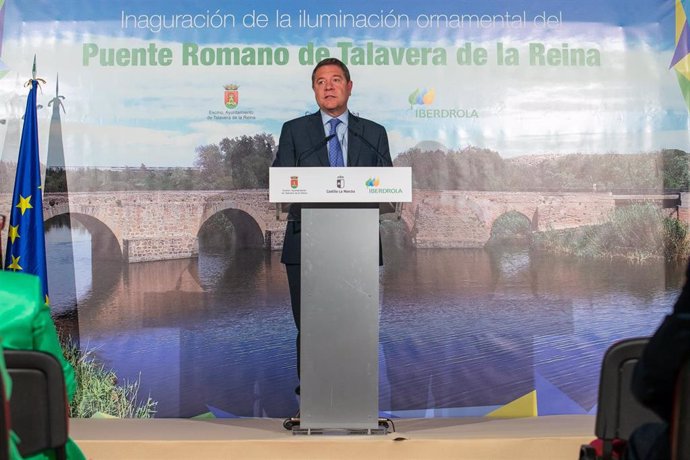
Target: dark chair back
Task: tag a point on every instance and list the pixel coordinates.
(38, 402)
(4, 423)
(680, 425)
(619, 413)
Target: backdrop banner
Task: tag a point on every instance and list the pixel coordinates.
(548, 146)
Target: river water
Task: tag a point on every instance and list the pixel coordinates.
(462, 331)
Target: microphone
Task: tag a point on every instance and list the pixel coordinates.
(310, 151)
(384, 160)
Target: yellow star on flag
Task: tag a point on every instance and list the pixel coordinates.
(24, 203)
(15, 264)
(13, 232)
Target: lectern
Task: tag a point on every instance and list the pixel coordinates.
(340, 289)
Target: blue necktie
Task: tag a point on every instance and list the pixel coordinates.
(335, 152)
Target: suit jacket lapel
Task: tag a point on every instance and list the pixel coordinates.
(354, 142)
(316, 135)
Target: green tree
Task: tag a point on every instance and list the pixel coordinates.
(247, 159)
(209, 160)
(429, 169)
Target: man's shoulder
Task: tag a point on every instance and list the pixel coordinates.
(354, 119)
(301, 120)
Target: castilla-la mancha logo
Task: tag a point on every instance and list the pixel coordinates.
(232, 95)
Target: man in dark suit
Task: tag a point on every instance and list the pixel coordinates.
(334, 137)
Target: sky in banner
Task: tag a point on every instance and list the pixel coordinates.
(107, 17)
(626, 100)
(621, 12)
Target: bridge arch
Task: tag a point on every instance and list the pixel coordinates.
(396, 230)
(511, 226)
(249, 228)
(104, 229)
(104, 243)
(104, 260)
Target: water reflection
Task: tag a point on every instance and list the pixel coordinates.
(62, 237)
(459, 328)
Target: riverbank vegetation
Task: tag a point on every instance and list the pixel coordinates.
(99, 390)
(637, 232)
(475, 168)
(242, 163)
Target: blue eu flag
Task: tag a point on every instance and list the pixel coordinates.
(26, 249)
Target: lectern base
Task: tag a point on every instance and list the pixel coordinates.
(296, 430)
(293, 424)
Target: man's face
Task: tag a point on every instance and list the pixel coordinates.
(331, 89)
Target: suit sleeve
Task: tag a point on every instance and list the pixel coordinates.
(383, 146)
(285, 156)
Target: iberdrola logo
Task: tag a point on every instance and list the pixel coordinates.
(232, 95)
(423, 97)
(372, 182)
(681, 56)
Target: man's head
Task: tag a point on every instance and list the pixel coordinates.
(332, 86)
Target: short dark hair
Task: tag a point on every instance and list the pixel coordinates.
(331, 61)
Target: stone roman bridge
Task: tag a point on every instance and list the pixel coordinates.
(144, 226)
